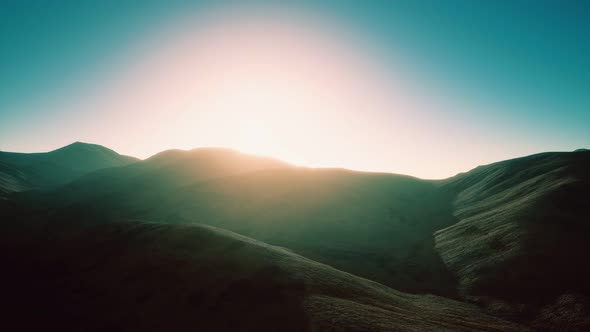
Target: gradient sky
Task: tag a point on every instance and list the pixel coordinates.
(426, 88)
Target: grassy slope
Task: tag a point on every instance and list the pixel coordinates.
(12, 179)
(521, 242)
(71, 273)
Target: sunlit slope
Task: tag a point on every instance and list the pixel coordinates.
(22, 171)
(523, 237)
(378, 226)
(135, 276)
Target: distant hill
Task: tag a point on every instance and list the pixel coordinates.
(23, 171)
(130, 275)
(143, 185)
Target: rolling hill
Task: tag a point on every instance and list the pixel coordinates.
(510, 237)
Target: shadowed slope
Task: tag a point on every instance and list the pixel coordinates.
(521, 242)
(83, 275)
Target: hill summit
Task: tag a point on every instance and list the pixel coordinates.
(44, 170)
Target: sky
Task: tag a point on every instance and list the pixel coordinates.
(426, 88)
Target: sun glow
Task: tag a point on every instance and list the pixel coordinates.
(304, 90)
(259, 84)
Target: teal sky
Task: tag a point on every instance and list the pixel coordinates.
(514, 77)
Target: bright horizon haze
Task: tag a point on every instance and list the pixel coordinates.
(409, 87)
